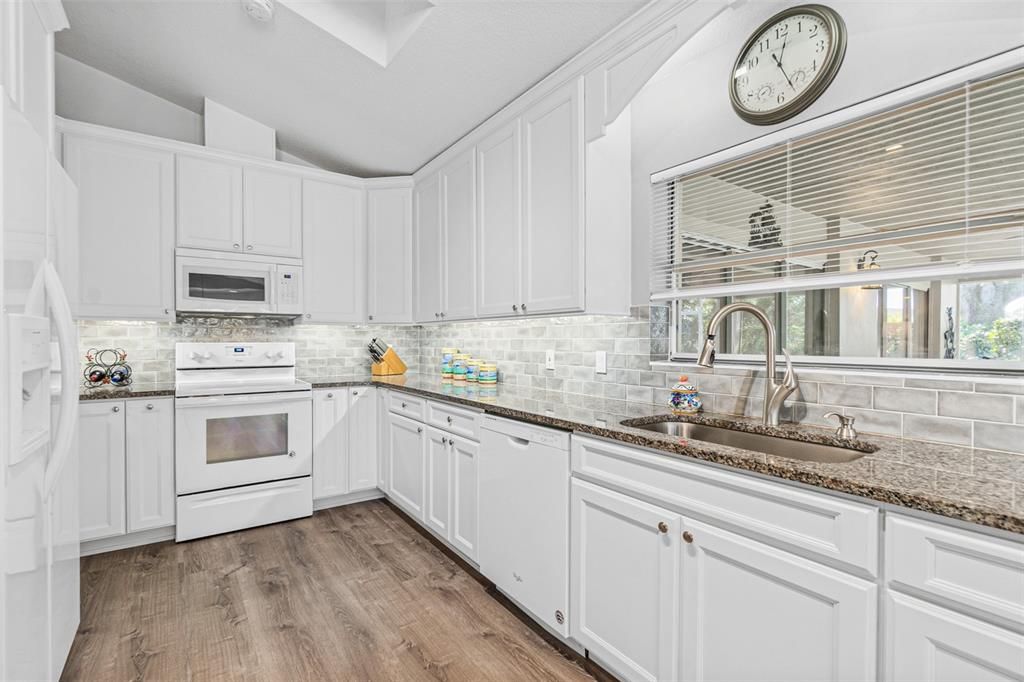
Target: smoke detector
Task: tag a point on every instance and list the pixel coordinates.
(260, 10)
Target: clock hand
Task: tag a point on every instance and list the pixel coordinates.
(778, 63)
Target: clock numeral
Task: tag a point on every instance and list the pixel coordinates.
(819, 46)
(752, 63)
(781, 98)
(814, 31)
(781, 31)
(743, 81)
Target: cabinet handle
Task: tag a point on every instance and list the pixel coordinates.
(419, 429)
(369, 317)
(330, 395)
(291, 453)
(662, 527)
(687, 537)
(442, 315)
(449, 420)
(237, 246)
(404, 406)
(523, 306)
(167, 311)
(308, 316)
(444, 441)
(115, 408)
(249, 248)
(437, 314)
(149, 406)
(515, 308)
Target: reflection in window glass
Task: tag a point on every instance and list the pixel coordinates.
(991, 319)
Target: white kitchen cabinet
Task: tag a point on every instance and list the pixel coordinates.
(362, 439)
(125, 252)
(330, 442)
(407, 450)
(390, 276)
(427, 226)
(458, 257)
(333, 252)
(624, 582)
(499, 232)
(149, 453)
(209, 203)
(437, 511)
(383, 450)
(272, 213)
(553, 256)
(927, 643)
(465, 496)
(101, 452)
(753, 612)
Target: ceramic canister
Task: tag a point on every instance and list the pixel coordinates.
(488, 373)
(472, 370)
(685, 398)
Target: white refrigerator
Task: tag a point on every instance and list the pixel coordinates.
(39, 376)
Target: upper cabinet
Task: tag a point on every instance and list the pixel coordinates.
(209, 200)
(427, 207)
(390, 277)
(499, 233)
(553, 255)
(125, 260)
(334, 252)
(225, 206)
(458, 210)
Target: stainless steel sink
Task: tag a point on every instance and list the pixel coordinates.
(770, 445)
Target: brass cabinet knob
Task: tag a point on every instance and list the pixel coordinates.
(662, 527)
(687, 537)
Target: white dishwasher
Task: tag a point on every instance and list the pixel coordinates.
(524, 516)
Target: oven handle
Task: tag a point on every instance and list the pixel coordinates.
(256, 399)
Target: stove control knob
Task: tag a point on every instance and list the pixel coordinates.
(200, 357)
(275, 356)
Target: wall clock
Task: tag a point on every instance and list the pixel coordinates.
(787, 63)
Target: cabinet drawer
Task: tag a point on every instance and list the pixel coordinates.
(455, 420)
(818, 526)
(953, 565)
(406, 405)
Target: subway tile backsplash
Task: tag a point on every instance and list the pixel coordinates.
(987, 413)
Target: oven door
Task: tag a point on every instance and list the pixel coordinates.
(224, 286)
(225, 441)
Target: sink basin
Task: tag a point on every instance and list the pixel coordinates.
(770, 445)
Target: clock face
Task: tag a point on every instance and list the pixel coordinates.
(787, 63)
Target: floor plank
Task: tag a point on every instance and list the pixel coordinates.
(351, 593)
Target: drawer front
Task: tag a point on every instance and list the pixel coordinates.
(815, 525)
(956, 566)
(406, 405)
(457, 420)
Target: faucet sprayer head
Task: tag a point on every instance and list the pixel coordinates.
(707, 353)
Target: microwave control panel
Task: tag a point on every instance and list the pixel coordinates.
(289, 289)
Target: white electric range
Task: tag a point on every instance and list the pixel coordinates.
(243, 437)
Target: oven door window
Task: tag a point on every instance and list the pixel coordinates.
(231, 439)
(215, 287)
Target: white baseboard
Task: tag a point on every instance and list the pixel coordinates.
(142, 537)
(350, 498)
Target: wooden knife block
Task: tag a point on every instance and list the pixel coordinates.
(389, 366)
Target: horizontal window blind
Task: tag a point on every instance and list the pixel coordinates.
(933, 188)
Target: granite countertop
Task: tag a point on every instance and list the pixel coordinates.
(135, 390)
(978, 486)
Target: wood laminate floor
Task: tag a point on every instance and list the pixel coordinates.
(353, 593)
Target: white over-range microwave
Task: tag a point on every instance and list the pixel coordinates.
(238, 285)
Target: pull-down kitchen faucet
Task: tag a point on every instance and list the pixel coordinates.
(775, 393)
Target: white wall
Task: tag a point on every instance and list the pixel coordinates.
(90, 95)
(684, 112)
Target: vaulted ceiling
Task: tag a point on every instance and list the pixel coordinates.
(329, 102)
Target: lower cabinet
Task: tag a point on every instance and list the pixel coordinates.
(406, 459)
(126, 453)
(927, 643)
(437, 512)
(344, 441)
(657, 596)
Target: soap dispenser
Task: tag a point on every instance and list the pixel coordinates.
(685, 398)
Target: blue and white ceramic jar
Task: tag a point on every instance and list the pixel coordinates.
(685, 398)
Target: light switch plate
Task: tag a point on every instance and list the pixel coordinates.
(549, 360)
(601, 362)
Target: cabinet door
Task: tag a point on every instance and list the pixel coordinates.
(101, 452)
(499, 207)
(624, 570)
(931, 644)
(437, 512)
(209, 204)
(362, 439)
(791, 618)
(553, 203)
(149, 447)
(334, 252)
(465, 458)
(428, 249)
(458, 209)
(390, 277)
(272, 214)
(330, 442)
(406, 446)
(126, 229)
(383, 442)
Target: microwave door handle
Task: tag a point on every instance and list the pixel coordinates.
(272, 289)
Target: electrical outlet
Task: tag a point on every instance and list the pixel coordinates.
(549, 360)
(601, 362)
